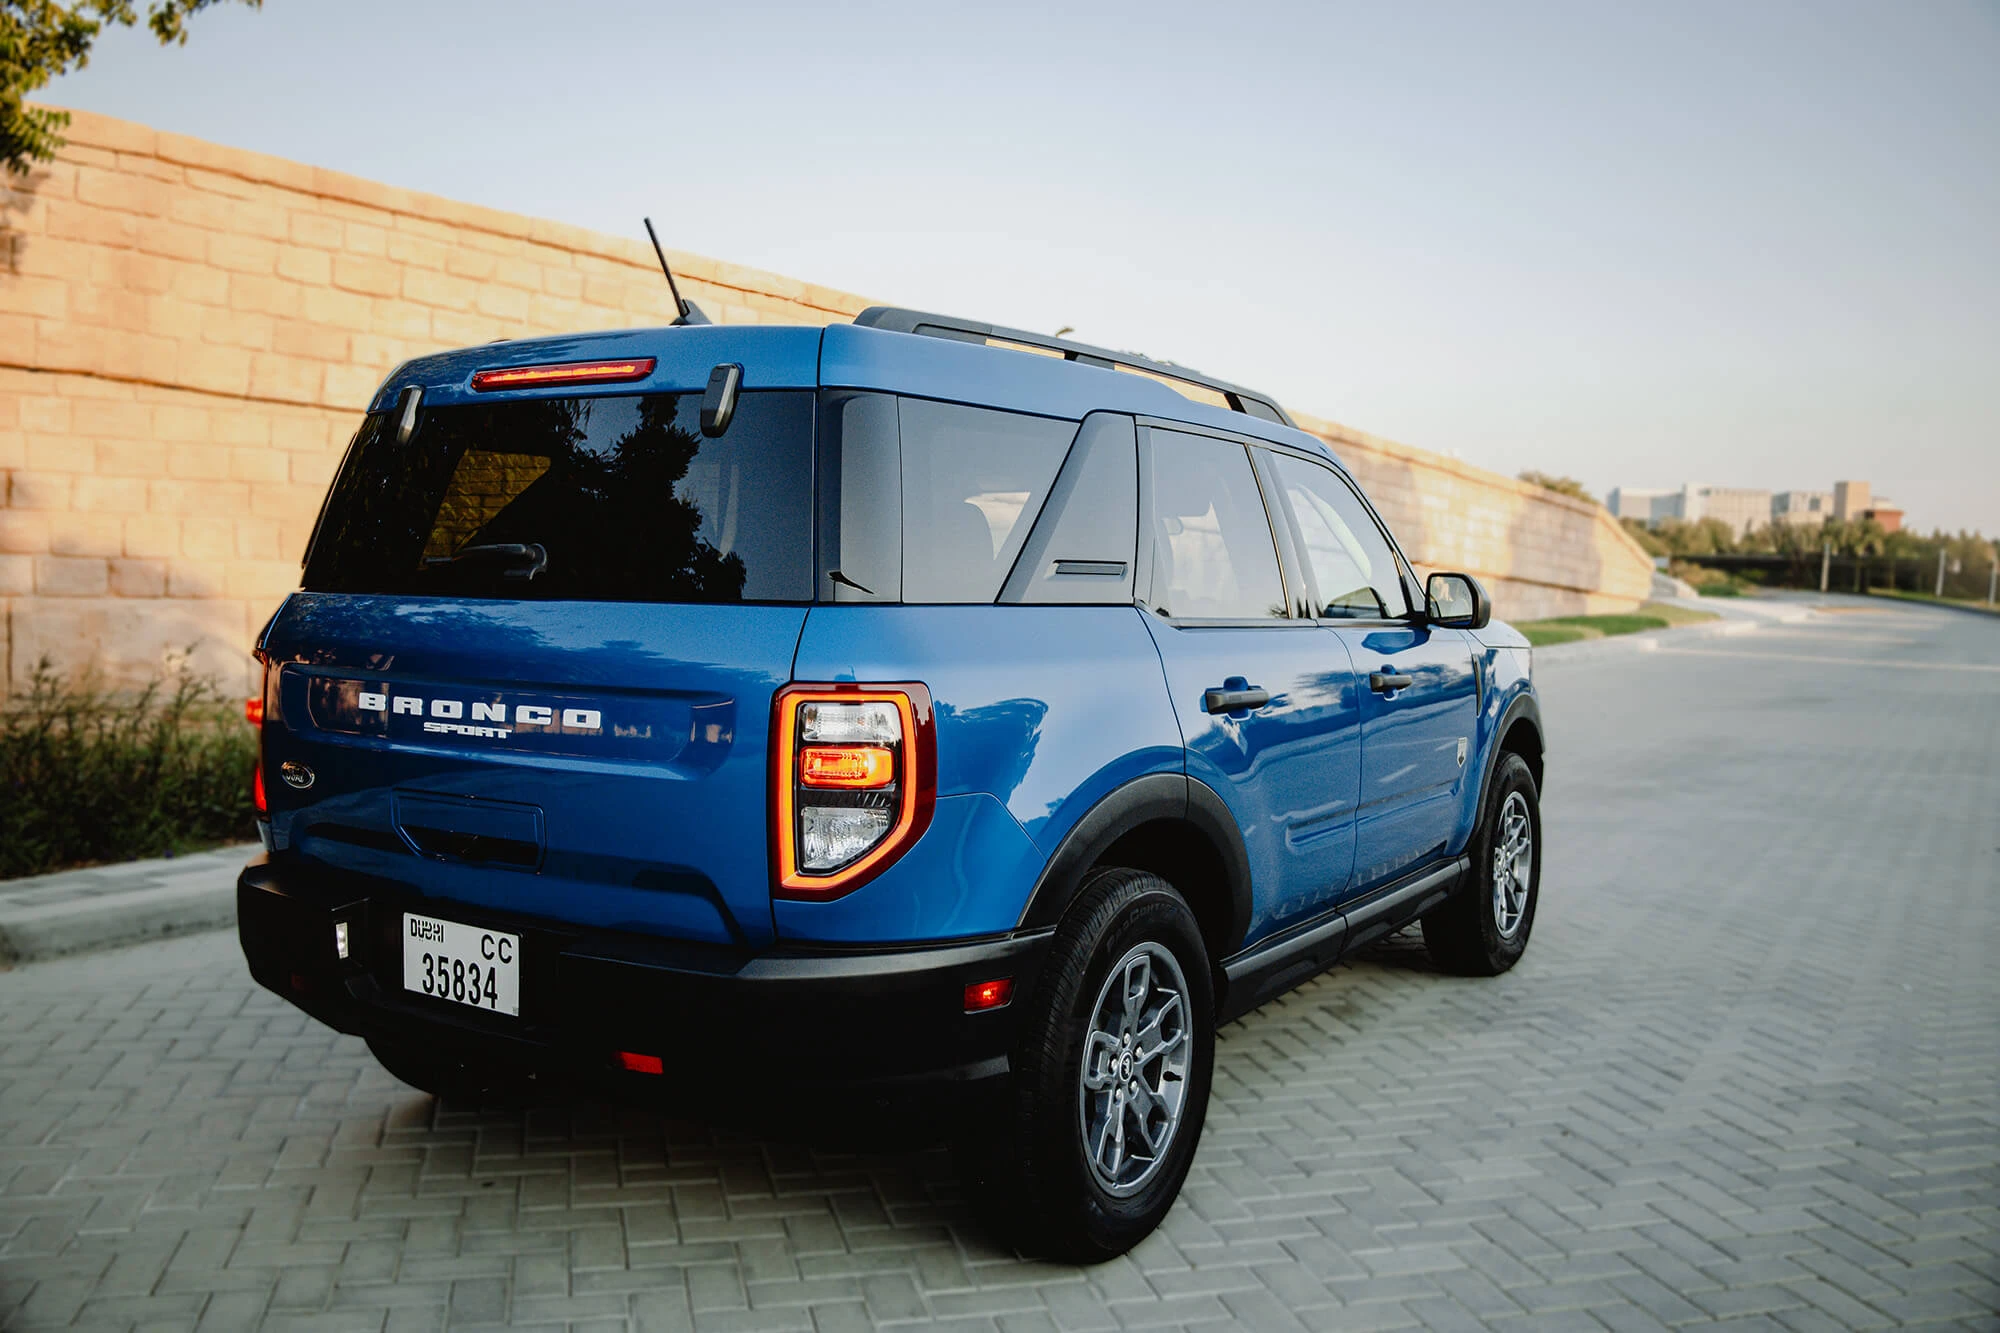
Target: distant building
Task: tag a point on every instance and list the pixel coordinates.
(1850, 498)
(1646, 506)
(1740, 508)
(1806, 508)
(1887, 514)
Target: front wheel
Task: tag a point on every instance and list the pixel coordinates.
(1110, 1076)
(1482, 929)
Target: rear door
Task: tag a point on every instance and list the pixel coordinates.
(532, 666)
(1267, 703)
(1419, 696)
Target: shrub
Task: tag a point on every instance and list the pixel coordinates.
(89, 775)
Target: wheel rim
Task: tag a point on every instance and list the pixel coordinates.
(1513, 865)
(1132, 1087)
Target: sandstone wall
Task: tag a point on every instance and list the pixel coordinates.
(188, 331)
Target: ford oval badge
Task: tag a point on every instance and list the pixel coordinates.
(295, 774)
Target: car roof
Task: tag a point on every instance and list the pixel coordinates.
(838, 356)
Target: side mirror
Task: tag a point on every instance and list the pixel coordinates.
(718, 403)
(1456, 601)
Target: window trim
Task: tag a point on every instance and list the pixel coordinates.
(1404, 574)
(1143, 587)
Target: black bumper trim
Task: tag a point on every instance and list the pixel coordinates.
(878, 1020)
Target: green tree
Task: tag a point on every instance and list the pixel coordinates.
(1648, 542)
(1560, 485)
(40, 39)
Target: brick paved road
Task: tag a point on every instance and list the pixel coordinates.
(1749, 1071)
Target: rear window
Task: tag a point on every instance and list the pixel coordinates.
(616, 498)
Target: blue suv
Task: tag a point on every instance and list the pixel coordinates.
(909, 707)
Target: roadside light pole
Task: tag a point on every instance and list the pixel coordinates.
(1940, 582)
(1826, 564)
(1993, 578)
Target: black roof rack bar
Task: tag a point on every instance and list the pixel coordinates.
(898, 320)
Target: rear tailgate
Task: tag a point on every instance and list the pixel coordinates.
(532, 667)
(595, 763)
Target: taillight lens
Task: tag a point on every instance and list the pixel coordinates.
(854, 780)
(253, 713)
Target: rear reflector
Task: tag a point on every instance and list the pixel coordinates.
(633, 1063)
(565, 372)
(982, 995)
(253, 711)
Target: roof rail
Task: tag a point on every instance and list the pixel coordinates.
(897, 320)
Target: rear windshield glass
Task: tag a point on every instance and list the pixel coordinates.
(607, 498)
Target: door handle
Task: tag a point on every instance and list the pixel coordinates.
(1382, 682)
(1235, 700)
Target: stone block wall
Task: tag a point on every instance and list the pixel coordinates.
(188, 332)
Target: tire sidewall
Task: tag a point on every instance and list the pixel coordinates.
(1094, 1222)
(1512, 776)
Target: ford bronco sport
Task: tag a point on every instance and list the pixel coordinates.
(895, 707)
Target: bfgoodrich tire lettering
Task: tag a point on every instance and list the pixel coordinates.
(1119, 1037)
(1482, 929)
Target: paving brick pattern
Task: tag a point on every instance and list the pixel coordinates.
(1749, 1073)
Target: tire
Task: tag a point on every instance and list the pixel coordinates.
(460, 1082)
(1482, 930)
(1031, 1166)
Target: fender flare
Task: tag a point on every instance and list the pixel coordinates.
(1524, 705)
(1156, 796)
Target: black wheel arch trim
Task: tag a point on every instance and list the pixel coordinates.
(1524, 706)
(1155, 796)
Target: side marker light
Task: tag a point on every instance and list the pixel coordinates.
(983, 995)
(634, 1063)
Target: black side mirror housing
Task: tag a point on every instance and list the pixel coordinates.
(1456, 601)
(718, 402)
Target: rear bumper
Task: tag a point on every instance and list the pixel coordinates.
(870, 1022)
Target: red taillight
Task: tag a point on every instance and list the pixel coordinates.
(565, 372)
(982, 995)
(634, 1063)
(853, 783)
(854, 767)
(253, 713)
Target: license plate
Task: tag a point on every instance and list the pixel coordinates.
(449, 960)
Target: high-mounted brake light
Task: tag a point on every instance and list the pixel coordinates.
(853, 782)
(563, 372)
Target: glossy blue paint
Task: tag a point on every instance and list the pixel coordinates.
(655, 817)
(1289, 771)
(1412, 772)
(968, 875)
(654, 820)
(772, 357)
(1046, 709)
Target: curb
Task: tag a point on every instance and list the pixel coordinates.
(1646, 641)
(81, 911)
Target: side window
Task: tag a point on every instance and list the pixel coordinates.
(1352, 562)
(1213, 555)
(973, 481)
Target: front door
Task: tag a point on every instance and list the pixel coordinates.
(1419, 696)
(1268, 704)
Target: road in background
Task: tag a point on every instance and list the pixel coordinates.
(1748, 1070)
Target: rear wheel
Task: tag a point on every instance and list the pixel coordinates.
(1110, 1077)
(1482, 929)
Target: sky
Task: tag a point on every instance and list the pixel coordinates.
(1747, 245)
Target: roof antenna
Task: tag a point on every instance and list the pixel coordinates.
(687, 312)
